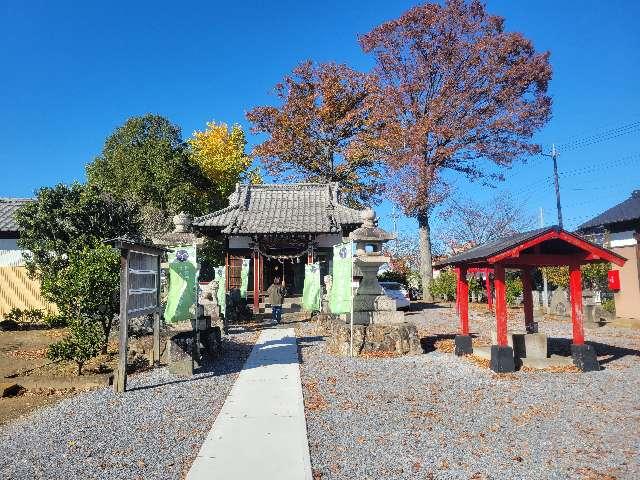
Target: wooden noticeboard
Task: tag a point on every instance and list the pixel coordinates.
(139, 296)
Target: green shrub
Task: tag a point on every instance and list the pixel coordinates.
(609, 305)
(444, 286)
(513, 289)
(55, 320)
(27, 316)
(83, 343)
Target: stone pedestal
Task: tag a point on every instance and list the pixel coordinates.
(400, 338)
(180, 354)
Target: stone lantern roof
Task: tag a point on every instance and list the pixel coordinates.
(182, 233)
(369, 233)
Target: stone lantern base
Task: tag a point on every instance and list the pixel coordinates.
(400, 338)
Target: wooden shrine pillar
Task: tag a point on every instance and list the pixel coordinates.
(227, 270)
(575, 296)
(463, 302)
(487, 282)
(501, 305)
(260, 278)
(527, 294)
(584, 356)
(463, 345)
(256, 281)
(502, 359)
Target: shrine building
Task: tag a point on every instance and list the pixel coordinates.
(280, 227)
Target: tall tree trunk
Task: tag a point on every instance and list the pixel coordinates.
(426, 267)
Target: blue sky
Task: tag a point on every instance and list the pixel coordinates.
(73, 71)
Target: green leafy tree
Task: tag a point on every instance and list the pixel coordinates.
(146, 161)
(88, 288)
(63, 231)
(594, 276)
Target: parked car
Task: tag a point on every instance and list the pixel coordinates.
(398, 293)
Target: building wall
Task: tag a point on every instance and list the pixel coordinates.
(9, 244)
(17, 290)
(628, 298)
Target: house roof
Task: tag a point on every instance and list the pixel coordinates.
(627, 211)
(8, 207)
(282, 208)
(518, 249)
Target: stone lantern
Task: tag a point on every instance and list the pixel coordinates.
(370, 304)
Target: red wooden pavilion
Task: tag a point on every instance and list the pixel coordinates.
(545, 247)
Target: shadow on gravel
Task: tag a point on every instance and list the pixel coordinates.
(428, 343)
(562, 346)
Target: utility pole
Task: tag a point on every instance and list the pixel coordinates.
(554, 155)
(545, 291)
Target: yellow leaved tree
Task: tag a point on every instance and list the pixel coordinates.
(219, 151)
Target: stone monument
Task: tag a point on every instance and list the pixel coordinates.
(370, 304)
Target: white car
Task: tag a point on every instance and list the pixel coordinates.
(398, 293)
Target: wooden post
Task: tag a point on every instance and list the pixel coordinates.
(463, 302)
(256, 283)
(501, 305)
(488, 287)
(121, 381)
(457, 272)
(227, 270)
(575, 295)
(260, 277)
(156, 320)
(527, 294)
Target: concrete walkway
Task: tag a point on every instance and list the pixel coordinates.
(261, 430)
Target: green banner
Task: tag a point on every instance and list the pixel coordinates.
(340, 295)
(181, 298)
(311, 293)
(244, 277)
(222, 289)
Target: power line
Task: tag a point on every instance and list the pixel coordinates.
(600, 137)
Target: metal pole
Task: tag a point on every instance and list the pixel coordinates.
(121, 382)
(554, 156)
(545, 289)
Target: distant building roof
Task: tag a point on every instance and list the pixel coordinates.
(625, 212)
(282, 208)
(8, 207)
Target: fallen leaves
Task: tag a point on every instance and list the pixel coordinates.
(313, 400)
(30, 354)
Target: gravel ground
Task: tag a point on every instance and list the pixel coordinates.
(152, 432)
(441, 417)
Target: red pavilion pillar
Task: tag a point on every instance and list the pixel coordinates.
(527, 294)
(488, 287)
(463, 343)
(501, 354)
(584, 356)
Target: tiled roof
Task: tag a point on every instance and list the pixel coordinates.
(8, 207)
(627, 211)
(282, 208)
(493, 248)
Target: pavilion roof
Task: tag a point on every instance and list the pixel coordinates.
(282, 208)
(547, 246)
